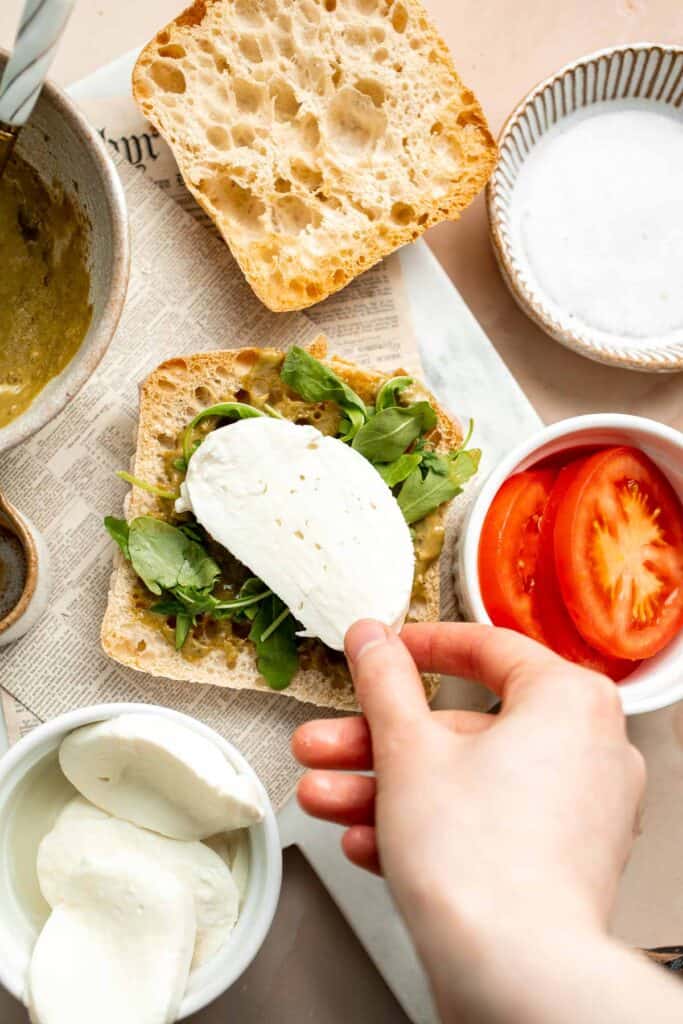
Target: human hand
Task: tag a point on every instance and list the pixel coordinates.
(483, 825)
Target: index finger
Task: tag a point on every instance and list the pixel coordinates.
(388, 685)
(506, 662)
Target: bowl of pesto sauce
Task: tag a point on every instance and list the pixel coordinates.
(64, 261)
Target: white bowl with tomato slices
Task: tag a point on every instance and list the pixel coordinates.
(576, 539)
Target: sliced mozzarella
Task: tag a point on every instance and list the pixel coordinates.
(310, 517)
(118, 948)
(83, 830)
(160, 775)
(233, 849)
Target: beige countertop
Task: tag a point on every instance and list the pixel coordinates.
(311, 967)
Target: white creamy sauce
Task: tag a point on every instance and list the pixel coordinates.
(597, 217)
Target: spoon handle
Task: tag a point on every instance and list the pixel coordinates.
(42, 23)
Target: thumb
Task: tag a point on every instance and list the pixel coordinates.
(388, 685)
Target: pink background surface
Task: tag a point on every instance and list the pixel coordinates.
(311, 968)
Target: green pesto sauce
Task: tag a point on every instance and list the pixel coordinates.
(44, 286)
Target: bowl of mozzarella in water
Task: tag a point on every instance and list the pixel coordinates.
(140, 866)
(586, 209)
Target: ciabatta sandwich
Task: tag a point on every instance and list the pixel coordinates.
(278, 497)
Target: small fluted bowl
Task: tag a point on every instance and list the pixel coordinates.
(641, 71)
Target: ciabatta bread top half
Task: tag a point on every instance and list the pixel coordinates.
(319, 135)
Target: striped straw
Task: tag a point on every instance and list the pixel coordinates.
(42, 23)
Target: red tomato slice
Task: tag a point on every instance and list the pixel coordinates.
(557, 625)
(508, 550)
(619, 554)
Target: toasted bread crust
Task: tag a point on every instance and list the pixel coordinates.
(169, 398)
(300, 235)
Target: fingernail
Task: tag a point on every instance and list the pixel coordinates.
(362, 636)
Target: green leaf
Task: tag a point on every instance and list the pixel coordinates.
(197, 602)
(183, 625)
(463, 466)
(242, 603)
(317, 383)
(437, 463)
(135, 481)
(118, 530)
(352, 424)
(164, 557)
(157, 552)
(250, 588)
(198, 571)
(224, 410)
(390, 432)
(267, 633)
(168, 605)
(396, 472)
(468, 436)
(421, 495)
(191, 530)
(390, 390)
(276, 651)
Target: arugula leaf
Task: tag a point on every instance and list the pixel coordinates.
(276, 651)
(275, 624)
(118, 531)
(164, 557)
(390, 432)
(468, 436)
(396, 472)
(250, 588)
(198, 571)
(423, 492)
(192, 531)
(437, 463)
(458, 466)
(463, 466)
(183, 624)
(390, 390)
(317, 383)
(135, 481)
(168, 605)
(225, 410)
(421, 495)
(241, 604)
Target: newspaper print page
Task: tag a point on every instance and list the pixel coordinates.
(185, 294)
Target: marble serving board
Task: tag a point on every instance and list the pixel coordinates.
(464, 371)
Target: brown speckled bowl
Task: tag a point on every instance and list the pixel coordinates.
(63, 147)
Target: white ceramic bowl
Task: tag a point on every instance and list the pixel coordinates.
(17, 929)
(659, 681)
(632, 74)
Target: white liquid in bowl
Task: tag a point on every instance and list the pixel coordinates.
(597, 219)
